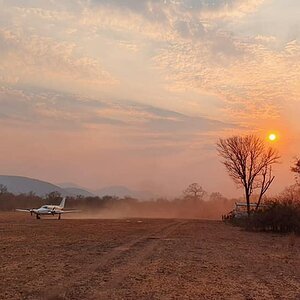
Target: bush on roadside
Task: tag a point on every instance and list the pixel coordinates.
(280, 215)
(277, 216)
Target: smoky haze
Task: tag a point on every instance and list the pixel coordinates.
(161, 208)
(185, 207)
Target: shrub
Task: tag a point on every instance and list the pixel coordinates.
(277, 216)
(280, 215)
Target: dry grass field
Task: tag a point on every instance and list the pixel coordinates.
(143, 259)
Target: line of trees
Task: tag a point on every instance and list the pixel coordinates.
(195, 202)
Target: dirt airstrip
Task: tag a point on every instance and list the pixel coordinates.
(143, 259)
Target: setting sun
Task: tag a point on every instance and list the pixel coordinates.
(272, 137)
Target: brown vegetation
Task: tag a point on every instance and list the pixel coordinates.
(281, 214)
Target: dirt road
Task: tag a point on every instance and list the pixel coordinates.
(143, 259)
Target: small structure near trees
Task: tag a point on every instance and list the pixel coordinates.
(248, 162)
(239, 211)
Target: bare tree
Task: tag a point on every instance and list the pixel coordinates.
(248, 162)
(3, 189)
(53, 197)
(216, 196)
(194, 191)
(296, 169)
(266, 180)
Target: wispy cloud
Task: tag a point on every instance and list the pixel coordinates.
(159, 9)
(44, 58)
(255, 82)
(47, 108)
(144, 78)
(184, 42)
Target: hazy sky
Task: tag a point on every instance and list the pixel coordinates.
(137, 92)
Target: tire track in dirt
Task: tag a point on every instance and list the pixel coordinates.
(126, 265)
(100, 272)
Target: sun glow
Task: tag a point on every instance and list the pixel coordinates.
(272, 137)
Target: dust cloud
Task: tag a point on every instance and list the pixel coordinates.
(130, 208)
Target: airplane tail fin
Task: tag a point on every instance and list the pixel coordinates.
(62, 203)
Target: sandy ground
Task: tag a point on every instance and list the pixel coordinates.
(143, 259)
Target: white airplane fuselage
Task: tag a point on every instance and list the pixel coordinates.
(48, 209)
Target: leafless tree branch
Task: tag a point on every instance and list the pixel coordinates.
(248, 161)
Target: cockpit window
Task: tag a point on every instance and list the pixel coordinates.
(45, 206)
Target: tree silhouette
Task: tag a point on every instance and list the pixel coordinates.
(53, 197)
(3, 189)
(296, 169)
(248, 162)
(194, 191)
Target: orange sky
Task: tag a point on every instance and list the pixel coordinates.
(137, 93)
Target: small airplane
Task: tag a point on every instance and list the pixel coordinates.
(49, 210)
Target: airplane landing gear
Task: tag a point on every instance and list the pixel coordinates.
(59, 215)
(38, 216)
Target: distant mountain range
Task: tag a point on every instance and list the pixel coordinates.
(20, 184)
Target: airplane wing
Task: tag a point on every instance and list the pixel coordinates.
(65, 211)
(26, 210)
